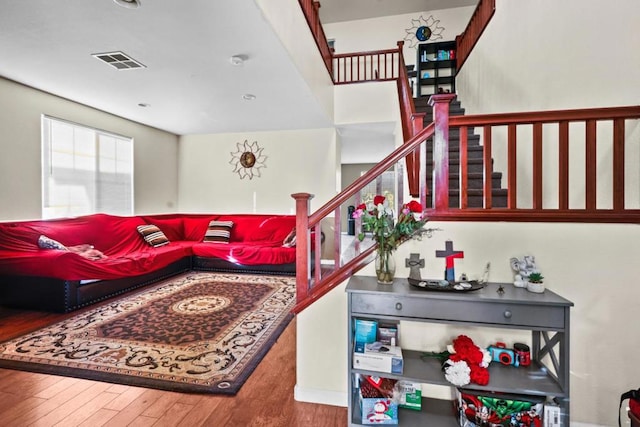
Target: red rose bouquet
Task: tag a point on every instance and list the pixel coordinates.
(378, 218)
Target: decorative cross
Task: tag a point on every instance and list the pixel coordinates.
(415, 263)
(449, 255)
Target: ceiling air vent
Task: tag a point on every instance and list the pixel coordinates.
(118, 60)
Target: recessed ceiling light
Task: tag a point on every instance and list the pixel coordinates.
(129, 4)
(248, 97)
(238, 60)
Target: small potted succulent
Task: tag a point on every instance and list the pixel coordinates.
(535, 283)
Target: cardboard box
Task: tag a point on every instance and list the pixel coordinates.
(388, 334)
(365, 333)
(378, 410)
(379, 358)
(410, 395)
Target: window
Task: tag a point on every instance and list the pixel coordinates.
(85, 170)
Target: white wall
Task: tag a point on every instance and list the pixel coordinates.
(155, 152)
(542, 63)
(591, 265)
(384, 33)
(297, 161)
(288, 21)
(554, 58)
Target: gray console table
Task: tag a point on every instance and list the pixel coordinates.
(546, 315)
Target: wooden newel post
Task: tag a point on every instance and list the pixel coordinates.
(303, 248)
(440, 193)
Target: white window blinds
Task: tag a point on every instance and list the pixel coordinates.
(85, 171)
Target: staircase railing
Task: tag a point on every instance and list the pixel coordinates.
(312, 279)
(359, 67)
(557, 163)
(478, 22)
(310, 9)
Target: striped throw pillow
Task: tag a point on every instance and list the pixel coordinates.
(218, 232)
(153, 235)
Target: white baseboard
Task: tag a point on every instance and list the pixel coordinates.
(323, 397)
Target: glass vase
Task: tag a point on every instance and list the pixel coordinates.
(385, 267)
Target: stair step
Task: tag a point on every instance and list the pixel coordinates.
(423, 102)
(473, 165)
(475, 198)
(454, 136)
(473, 152)
(474, 180)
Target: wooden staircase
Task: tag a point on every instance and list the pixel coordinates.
(475, 179)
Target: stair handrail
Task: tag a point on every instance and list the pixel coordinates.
(466, 41)
(305, 223)
(310, 10)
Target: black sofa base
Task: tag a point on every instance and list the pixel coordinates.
(217, 264)
(63, 296)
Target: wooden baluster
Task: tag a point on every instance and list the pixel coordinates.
(337, 237)
(393, 67)
(488, 167)
(512, 164)
(563, 165)
(464, 168)
(590, 166)
(417, 161)
(618, 165)
(422, 176)
(537, 165)
(400, 184)
(303, 255)
(317, 253)
(440, 104)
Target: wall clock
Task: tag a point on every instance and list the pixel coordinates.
(248, 159)
(422, 30)
(423, 33)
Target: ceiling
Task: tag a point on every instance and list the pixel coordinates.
(188, 85)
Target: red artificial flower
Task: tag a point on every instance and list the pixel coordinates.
(466, 350)
(462, 340)
(479, 375)
(362, 207)
(378, 200)
(414, 206)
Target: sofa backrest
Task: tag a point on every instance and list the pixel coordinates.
(100, 230)
(117, 234)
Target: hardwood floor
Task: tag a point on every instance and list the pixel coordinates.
(266, 399)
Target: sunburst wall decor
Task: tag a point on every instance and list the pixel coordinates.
(248, 159)
(422, 30)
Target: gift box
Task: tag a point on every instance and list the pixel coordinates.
(478, 410)
(378, 409)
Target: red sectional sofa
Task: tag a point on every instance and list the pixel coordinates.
(105, 255)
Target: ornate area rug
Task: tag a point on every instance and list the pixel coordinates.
(197, 332)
